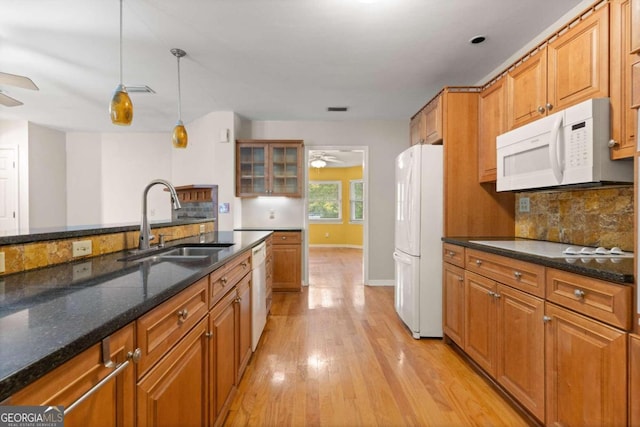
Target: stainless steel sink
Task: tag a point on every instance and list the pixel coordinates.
(179, 253)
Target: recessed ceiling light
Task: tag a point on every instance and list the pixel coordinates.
(340, 109)
(477, 39)
(139, 89)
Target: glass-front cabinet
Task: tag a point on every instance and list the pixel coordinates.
(269, 168)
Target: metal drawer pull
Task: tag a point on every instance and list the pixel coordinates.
(131, 356)
(491, 294)
(517, 275)
(224, 280)
(284, 237)
(451, 254)
(546, 319)
(497, 295)
(244, 264)
(478, 262)
(578, 293)
(182, 314)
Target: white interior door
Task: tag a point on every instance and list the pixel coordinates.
(8, 190)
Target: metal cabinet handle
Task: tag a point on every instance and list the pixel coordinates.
(579, 293)
(132, 356)
(478, 262)
(224, 280)
(549, 106)
(612, 143)
(208, 334)
(517, 275)
(546, 319)
(460, 279)
(244, 264)
(451, 254)
(497, 295)
(284, 237)
(491, 293)
(182, 314)
(541, 109)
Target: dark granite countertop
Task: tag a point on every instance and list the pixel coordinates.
(621, 272)
(49, 315)
(55, 233)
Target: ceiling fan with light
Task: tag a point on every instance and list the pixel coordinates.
(320, 159)
(14, 80)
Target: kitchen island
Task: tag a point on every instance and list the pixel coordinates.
(49, 315)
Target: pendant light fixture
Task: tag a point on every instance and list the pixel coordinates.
(180, 137)
(121, 108)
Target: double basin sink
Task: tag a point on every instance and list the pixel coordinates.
(178, 253)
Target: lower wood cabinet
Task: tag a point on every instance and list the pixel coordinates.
(634, 377)
(586, 371)
(113, 404)
(243, 313)
(174, 392)
(224, 356)
(453, 303)
(287, 261)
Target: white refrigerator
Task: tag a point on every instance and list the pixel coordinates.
(418, 246)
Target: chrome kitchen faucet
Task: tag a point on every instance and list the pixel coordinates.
(145, 228)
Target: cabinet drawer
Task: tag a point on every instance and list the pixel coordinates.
(161, 328)
(608, 302)
(520, 274)
(286, 237)
(227, 276)
(453, 254)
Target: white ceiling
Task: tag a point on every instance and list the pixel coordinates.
(263, 59)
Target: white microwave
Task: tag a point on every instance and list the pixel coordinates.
(569, 147)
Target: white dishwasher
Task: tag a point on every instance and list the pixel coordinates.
(258, 293)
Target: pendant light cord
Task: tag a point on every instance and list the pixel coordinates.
(120, 41)
(179, 93)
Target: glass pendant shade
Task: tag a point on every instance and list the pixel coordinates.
(121, 108)
(180, 137)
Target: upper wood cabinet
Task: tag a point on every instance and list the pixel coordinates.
(426, 125)
(635, 26)
(623, 117)
(269, 168)
(492, 121)
(572, 67)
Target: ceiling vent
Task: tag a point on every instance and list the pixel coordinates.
(339, 109)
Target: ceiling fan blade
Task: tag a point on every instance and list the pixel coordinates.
(333, 160)
(16, 80)
(8, 101)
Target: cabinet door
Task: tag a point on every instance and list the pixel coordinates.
(243, 308)
(174, 392)
(634, 380)
(623, 116)
(586, 365)
(492, 120)
(285, 178)
(453, 296)
(578, 62)
(635, 26)
(520, 342)
(111, 405)
(432, 121)
(415, 127)
(527, 90)
(480, 320)
(251, 169)
(224, 356)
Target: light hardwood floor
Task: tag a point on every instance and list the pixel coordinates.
(338, 355)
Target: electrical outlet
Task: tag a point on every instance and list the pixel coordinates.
(326, 235)
(201, 228)
(81, 248)
(524, 204)
(2, 268)
(272, 214)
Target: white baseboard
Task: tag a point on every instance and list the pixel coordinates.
(381, 283)
(334, 246)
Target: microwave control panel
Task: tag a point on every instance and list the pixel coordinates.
(578, 145)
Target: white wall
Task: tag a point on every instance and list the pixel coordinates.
(47, 177)
(385, 139)
(207, 160)
(84, 178)
(129, 163)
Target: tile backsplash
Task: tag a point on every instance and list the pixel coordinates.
(589, 217)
